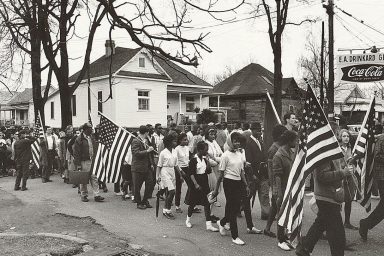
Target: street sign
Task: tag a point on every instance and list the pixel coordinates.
(361, 68)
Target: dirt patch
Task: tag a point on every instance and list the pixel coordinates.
(35, 245)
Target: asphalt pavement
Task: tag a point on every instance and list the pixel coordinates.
(164, 236)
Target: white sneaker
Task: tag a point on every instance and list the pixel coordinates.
(227, 227)
(221, 229)
(210, 227)
(188, 223)
(284, 246)
(254, 231)
(238, 241)
(118, 193)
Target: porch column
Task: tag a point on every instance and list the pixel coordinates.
(179, 103)
(218, 102)
(201, 98)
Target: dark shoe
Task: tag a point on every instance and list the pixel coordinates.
(141, 206)
(148, 205)
(214, 218)
(196, 210)
(48, 180)
(350, 226)
(99, 199)
(23, 189)
(269, 233)
(363, 230)
(84, 199)
(17, 188)
(74, 186)
(169, 215)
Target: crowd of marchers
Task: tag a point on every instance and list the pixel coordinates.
(209, 160)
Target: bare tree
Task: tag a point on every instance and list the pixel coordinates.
(277, 14)
(20, 33)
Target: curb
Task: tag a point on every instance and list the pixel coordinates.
(65, 237)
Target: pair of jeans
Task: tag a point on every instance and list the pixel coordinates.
(377, 215)
(51, 161)
(138, 179)
(232, 192)
(22, 172)
(328, 219)
(246, 203)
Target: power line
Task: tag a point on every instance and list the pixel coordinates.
(360, 21)
(353, 34)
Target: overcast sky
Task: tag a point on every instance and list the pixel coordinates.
(239, 43)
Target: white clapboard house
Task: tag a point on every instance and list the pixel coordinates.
(145, 90)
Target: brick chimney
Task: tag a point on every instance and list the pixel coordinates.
(109, 47)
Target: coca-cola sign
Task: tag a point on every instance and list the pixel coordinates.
(363, 73)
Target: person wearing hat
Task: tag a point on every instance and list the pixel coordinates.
(84, 150)
(254, 154)
(23, 155)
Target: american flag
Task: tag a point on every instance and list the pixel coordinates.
(317, 144)
(37, 133)
(113, 146)
(364, 152)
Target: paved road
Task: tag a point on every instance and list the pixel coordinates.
(172, 237)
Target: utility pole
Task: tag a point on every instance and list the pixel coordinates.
(322, 66)
(331, 78)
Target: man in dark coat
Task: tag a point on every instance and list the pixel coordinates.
(23, 156)
(142, 168)
(254, 154)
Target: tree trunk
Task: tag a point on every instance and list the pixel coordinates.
(65, 103)
(278, 76)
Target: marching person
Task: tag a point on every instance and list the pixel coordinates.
(254, 154)
(198, 189)
(142, 168)
(44, 159)
(349, 185)
(23, 156)
(290, 121)
(281, 166)
(61, 153)
(377, 215)
(277, 131)
(182, 152)
(234, 183)
(329, 195)
(165, 173)
(52, 150)
(84, 150)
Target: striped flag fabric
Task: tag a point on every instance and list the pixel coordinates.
(317, 144)
(37, 133)
(112, 149)
(364, 152)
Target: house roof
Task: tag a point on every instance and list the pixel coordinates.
(23, 97)
(345, 91)
(251, 80)
(6, 96)
(100, 67)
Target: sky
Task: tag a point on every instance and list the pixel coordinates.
(246, 40)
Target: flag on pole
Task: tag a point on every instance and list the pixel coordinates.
(364, 152)
(113, 146)
(317, 144)
(37, 133)
(271, 119)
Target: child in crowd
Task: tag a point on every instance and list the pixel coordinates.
(165, 173)
(44, 160)
(182, 151)
(198, 190)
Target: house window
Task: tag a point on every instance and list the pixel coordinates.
(291, 108)
(22, 115)
(73, 105)
(142, 62)
(52, 110)
(100, 101)
(143, 97)
(13, 114)
(189, 104)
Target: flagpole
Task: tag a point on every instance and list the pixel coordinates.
(362, 126)
(125, 130)
(273, 107)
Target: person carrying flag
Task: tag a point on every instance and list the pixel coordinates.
(329, 196)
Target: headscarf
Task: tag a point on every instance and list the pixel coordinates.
(229, 145)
